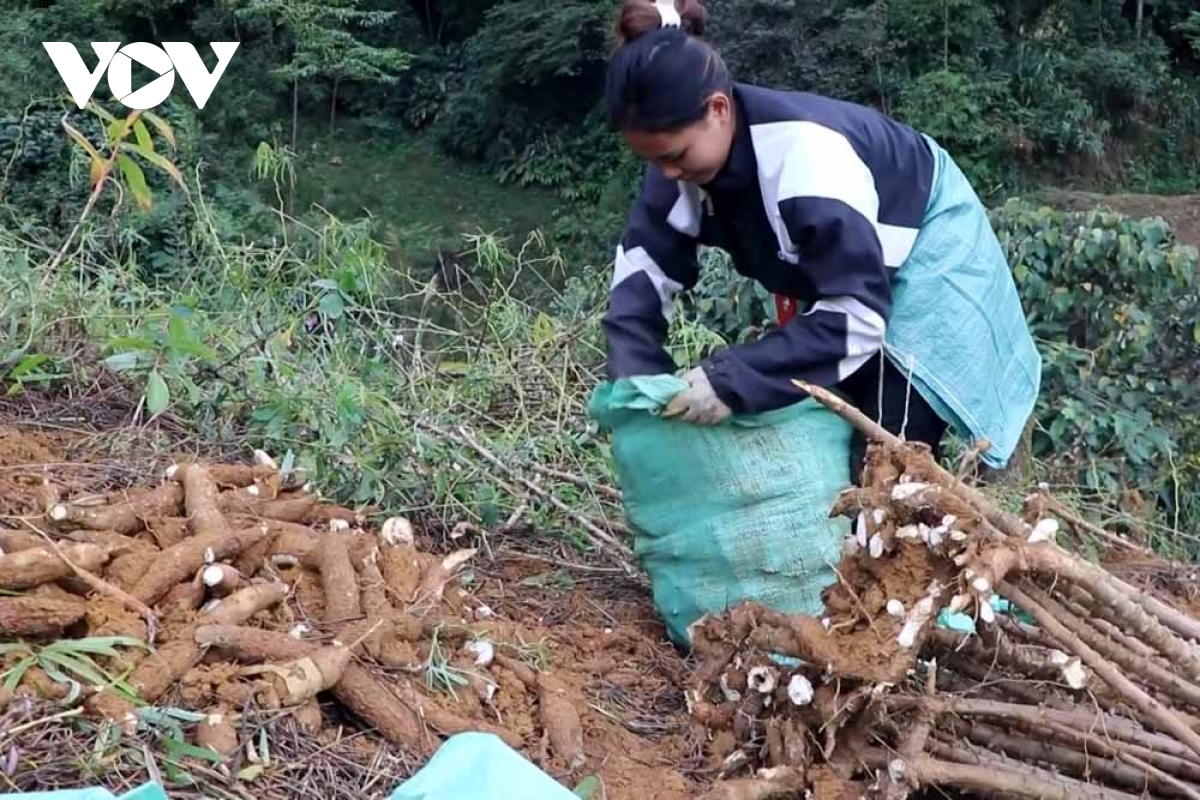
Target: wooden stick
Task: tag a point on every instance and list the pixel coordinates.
(1163, 716)
(602, 539)
(1143, 667)
(1134, 774)
(587, 483)
(1030, 782)
(1068, 516)
(1031, 715)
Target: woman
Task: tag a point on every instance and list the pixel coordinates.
(910, 310)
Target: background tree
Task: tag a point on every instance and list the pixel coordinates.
(326, 41)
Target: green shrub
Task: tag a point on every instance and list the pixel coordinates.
(1114, 304)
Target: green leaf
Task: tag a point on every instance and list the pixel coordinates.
(83, 668)
(99, 645)
(131, 343)
(157, 160)
(13, 679)
(181, 339)
(589, 788)
(143, 136)
(161, 126)
(332, 305)
(250, 773)
(157, 394)
(122, 361)
(136, 180)
(117, 129)
(183, 749)
(28, 365)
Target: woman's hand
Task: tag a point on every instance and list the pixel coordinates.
(698, 403)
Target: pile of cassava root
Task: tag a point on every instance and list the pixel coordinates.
(1073, 684)
(251, 594)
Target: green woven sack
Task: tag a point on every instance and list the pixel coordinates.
(727, 513)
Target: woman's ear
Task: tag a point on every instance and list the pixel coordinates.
(720, 107)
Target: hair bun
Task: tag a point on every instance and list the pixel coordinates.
(640, 17)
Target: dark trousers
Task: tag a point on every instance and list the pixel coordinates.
(863, 390)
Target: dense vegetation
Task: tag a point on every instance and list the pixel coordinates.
(234, 277)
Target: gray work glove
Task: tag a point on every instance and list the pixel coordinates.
(698, 403)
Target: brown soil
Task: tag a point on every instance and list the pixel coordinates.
(1181, 211)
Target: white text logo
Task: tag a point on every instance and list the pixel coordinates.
(164, 61)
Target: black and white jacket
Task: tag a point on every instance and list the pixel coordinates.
(820, 200)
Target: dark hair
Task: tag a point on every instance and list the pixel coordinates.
(660, 78)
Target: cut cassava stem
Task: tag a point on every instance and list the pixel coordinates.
(1146, 669)
(897, 788)
(1108, 587)
(1105, 725)
(1031, 660)
(124, 517)
(1034, 750)
(1028, 783)
(178, 563)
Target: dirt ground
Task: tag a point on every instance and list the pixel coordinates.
(1181, 211)
(589, 627)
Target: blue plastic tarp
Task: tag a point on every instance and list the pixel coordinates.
(147, 791)
(479, 766)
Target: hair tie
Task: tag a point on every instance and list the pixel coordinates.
(670, 16)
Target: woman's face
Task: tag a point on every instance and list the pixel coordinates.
(694, 154)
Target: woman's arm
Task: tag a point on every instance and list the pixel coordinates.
(655, 260)
(829, 206)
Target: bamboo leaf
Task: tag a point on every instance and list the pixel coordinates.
(181, 749)
(95, 172)
(13, 679)
(136, 179)
(158, 161)
(82, 141)
(143, 136)
(100, 112)
(117, 130)
(162, 126)
(89, 672)
(99, 645)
